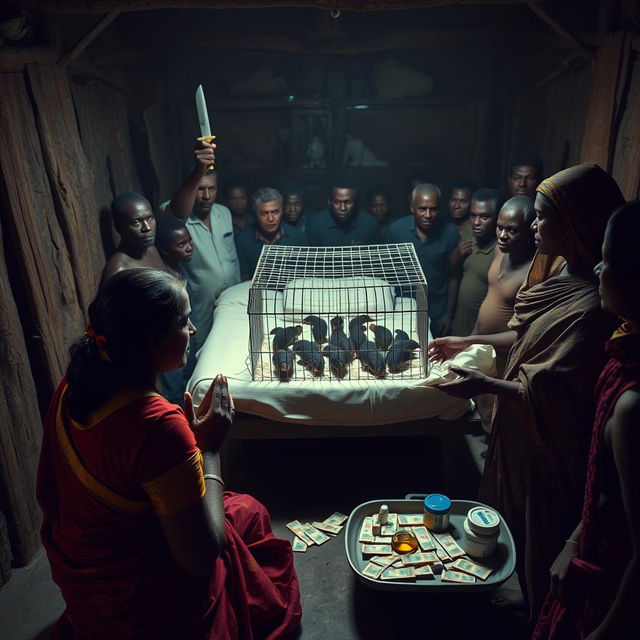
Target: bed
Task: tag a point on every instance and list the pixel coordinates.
(357, 404)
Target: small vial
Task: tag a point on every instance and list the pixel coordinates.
(404, 541)
(383, 514)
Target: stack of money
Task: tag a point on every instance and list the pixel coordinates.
(438, 558)
(307, 533)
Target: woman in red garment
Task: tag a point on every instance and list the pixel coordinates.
(595, 580)
(141, 537)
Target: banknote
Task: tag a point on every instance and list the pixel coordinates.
(336, 518)
(406, 573)
(377, 549)
(317, 536)
(424, 538)
(298, 545)
(425, 571)
(384, 561)
(457, 576)
(372, 571)
(441, 553)
(417, 559)
(335, 529)
(449, 544)
(477, 570)
(296, 528)
(391, 527)
(366, 531)
(410, 520)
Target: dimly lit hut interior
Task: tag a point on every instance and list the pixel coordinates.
(97, 100)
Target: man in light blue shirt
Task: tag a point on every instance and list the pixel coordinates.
(214, 266)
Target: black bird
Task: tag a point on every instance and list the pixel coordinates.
(400, 354)
(338, 337)
(310, 356)
(283, 362)
(357, 331)
(372, 359)
(318, 328)
(339, 360)
(383, 336)
(401, 335)
(285, 337)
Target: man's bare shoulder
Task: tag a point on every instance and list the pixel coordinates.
(119, 261)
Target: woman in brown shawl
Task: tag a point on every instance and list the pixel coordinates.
(535, 466)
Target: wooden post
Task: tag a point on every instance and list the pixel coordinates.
(20, 428)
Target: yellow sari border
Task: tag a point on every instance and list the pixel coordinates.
(178, 488)
(93, 485)
(625, 329)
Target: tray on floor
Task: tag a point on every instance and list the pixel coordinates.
(502, 561)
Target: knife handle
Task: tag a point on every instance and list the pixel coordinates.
(208, 139)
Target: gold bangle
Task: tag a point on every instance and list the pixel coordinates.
(213, 476)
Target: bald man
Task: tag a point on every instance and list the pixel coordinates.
(435, 242)
(508, 270)
(133, 219)
(515, 249)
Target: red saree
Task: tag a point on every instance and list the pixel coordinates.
(604, 545)
(100, 487)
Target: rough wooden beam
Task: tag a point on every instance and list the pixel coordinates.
(587, 49)
(15, 58)
(100, 6)
(86, 41)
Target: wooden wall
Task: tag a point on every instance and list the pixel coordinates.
(56, 185)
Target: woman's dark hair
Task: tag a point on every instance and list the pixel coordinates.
(134, 309)
(623, 232)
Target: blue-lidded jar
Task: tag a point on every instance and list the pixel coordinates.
(436, 512)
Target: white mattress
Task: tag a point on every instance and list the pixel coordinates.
(318, 402)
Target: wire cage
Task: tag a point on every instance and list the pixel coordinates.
(338, 313)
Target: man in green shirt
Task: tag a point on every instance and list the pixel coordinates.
(485, 205)
(435, 241)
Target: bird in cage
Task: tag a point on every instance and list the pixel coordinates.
(357, 332)
(339, 360)
(339, 338)
(382, 336)
(318, 328)
(310, 356)
(284, 338)
(372, 359)
(283, 363)
(400, 354)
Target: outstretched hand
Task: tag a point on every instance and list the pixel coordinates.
(211, 421)
(471, 383)
(446, 347)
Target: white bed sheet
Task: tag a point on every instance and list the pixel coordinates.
(315, 402)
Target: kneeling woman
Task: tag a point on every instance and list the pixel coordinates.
(141, 538)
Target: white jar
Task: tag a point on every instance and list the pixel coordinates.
(476, 545)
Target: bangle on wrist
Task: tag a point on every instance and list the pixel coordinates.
(213, 476)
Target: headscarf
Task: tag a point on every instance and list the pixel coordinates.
(585, 196)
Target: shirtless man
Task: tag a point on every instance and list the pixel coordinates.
(508, 270)
(133, 219)
(510, 265)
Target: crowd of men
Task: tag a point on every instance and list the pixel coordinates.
(474, 245)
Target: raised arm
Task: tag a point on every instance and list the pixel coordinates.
(195, 535)
(184, 198)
